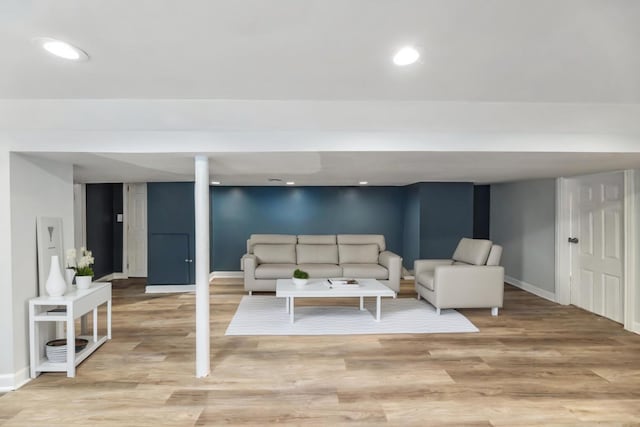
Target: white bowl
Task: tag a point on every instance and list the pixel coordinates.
(299, 282)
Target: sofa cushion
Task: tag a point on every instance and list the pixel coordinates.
(281, 254)
(317, 254)
(362, 239)
(317, 239)
(472, 251)
(426, 279)
(275, 271)
(270, 239)
(321, 270)
(365, 271)
(358, 254)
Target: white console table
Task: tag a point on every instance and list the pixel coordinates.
(77, 303)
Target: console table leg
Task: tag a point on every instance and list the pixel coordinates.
(378, 308)
(71, 345)
(109, 319)
(95, 324)
(291, 309)
(361, 303)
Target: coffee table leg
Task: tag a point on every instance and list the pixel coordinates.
(291, 308)
(286, 301)
(378, 308)
(361, 303)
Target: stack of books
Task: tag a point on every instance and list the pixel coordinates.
(343, 282)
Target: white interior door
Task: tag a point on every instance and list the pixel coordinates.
(597, 258)
(137, 230)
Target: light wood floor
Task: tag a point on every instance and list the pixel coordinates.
(537, 363)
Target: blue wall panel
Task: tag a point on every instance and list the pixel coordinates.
(241, 211)
(446, 215)
(411, 236)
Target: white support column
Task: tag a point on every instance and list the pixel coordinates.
(203, 363)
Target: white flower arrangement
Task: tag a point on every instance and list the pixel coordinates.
(82, 264)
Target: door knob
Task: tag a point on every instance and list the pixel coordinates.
(573, 240)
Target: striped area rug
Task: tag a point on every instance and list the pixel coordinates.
(266, 315)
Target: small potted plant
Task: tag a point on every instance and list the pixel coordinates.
(300, 278)
(84, 271)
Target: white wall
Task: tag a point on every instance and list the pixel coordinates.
(523, 221)
(6, 291)
(38, 188)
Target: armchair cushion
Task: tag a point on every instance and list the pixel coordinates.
(425, 279)
(472, 251)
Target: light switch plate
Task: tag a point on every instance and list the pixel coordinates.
(119, 218)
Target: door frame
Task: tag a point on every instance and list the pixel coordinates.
(563, 250)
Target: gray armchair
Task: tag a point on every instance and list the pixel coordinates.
(473, 277)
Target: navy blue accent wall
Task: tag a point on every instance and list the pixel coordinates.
(104, 234)
(446, 215)
(411, 231)
(239, 212)
(481, 205)
(171, 229)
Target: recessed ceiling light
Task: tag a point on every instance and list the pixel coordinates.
(62, 49)
(290, 183)
(364, 182)
(406, 56)
(215, 182)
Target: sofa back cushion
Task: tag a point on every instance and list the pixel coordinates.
(472, 251)
(317, 254)
(317, 239)
(275, 254)
(359, 254)
(362, 239)
(270, 239)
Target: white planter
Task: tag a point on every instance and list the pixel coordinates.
(69, 274)
(83, 282)
(299, 282)
(56, 286)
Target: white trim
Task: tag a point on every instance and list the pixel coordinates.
(630, 250)
(112, 276)
(563, 251)
(168, 289)
(636, 327)
(10, 382)
(125, 229)
(225, 274)
(202, 267)
(533, 289)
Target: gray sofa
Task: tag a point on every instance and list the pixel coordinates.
(275, 256)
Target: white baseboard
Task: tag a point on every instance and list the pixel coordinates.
(112, 276)
(542, 293)
(226, 274)
(168, 289)
(10, 382)
(636, 327)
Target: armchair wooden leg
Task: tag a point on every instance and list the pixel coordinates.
(418, 296)
(494, 311)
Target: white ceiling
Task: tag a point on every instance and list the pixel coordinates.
(306, 90)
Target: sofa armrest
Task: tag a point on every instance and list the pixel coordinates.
(248, 262)
(459, 286)
(393, 263)
(421, 265)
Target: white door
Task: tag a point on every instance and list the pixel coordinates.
(137, 230)
(597, 258)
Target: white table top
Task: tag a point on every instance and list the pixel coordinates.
(322, 288)
(69, 296)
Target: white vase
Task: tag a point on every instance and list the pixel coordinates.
(83, 282)
(69, 274)
(300, 283)
(56, 286)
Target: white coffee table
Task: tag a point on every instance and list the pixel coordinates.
(320, 288)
